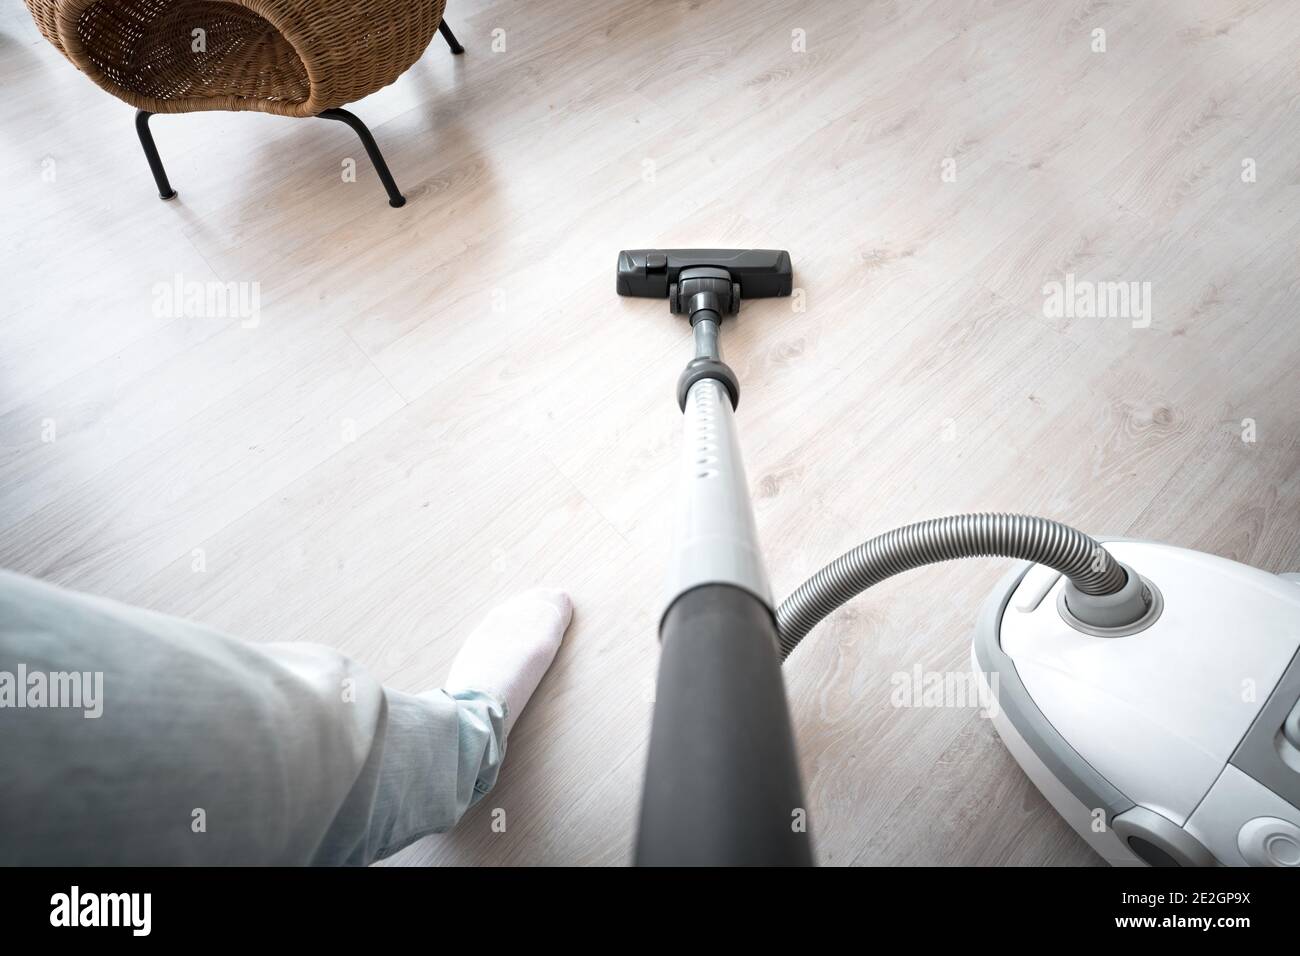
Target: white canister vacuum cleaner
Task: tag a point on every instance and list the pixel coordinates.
(1174, 740)
(1151, 693)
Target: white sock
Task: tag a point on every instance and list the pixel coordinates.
(510, 651)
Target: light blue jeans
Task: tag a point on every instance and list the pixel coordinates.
(209, 750)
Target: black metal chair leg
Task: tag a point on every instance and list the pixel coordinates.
(395, 198)
(165, 190)
(450, 37)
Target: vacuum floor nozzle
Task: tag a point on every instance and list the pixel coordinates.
(650, 273)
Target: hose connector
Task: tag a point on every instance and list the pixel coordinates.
(1132, 608)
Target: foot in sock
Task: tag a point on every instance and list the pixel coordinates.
(510, 651)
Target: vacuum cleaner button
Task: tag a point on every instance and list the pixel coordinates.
(1269, 841)
(1034, 587)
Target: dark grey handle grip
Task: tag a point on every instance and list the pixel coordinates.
(722, 783)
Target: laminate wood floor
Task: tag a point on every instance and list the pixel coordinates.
(440, 405)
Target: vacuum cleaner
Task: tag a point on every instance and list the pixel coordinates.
(1151, 693)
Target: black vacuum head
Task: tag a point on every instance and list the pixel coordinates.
(761, 273)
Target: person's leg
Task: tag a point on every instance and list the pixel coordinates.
(493, 676)
(187, 746)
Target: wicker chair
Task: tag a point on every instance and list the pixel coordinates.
(288, 57)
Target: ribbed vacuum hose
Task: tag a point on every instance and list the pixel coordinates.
(1076, 555)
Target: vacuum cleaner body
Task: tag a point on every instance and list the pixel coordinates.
(1175, 741)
